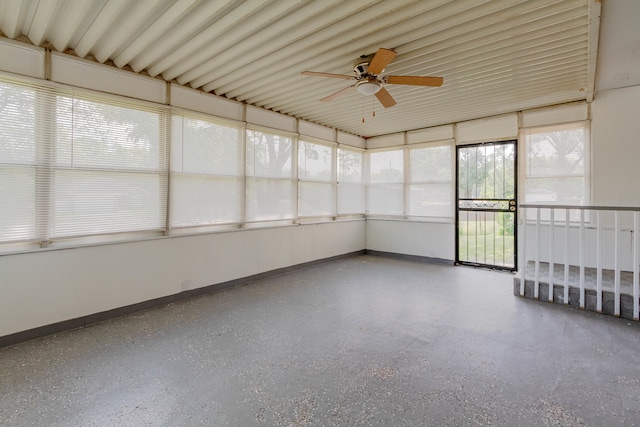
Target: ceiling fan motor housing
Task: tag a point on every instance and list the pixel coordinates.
(361, 66)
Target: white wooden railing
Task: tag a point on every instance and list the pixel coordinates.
(588, 237)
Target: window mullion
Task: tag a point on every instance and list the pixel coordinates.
(334, 176)
(45, 138)
(295, 180)
(406, 184)
(243, 168)
(166, 133)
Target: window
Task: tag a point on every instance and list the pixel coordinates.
(18, 163)
(316, 182)
(556, 167)
(351, 190)
(76, 165)
(109, 168)
(206, 172)
(430, 184)
(270, 186)
(386, 182)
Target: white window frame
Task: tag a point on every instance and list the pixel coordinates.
(159, 171)
(362, 183)
(450, 143)
(216, 223)
(523, 175)
(372, 185)
(291, 179)
(38, 167)
(45, 167)
(331, 181)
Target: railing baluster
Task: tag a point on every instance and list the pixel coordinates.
(599, 261)
(582, 259)
(616, 252)
(551, 240)
(523, 252)
(585, 259)
(636, 266)
(566, 256)
(536, 284)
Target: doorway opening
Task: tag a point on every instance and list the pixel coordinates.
(486, 209)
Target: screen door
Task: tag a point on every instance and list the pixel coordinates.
(486, 205)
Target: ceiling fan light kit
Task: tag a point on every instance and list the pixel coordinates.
(367, 87)
(367, 70)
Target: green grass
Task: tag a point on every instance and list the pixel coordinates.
(484, 245)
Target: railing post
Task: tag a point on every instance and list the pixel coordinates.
(582, 302)
(599, 261)
(551, 241)
(566, 256)
(523, 252)
(536, 284)
(616, 252)
(636, 266)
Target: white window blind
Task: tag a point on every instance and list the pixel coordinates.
(18, 162)
(430, 186)
(316, 182)
(556, 165)
(206, 172)
(109, 167)
(386, 182)
(351, 189)
(269, 168)
(74, 164)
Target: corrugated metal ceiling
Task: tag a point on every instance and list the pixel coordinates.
(495, 55)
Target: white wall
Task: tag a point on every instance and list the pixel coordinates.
(615, 139)
(426, 239)
(607, 245)
(50, 286)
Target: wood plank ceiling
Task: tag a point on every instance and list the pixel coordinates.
(495, 56)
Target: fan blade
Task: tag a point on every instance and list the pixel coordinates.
(382, 58)
(338, 93)
(335, 76)
(414, 80)
(385, 98)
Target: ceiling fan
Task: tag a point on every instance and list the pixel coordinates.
(367, 71)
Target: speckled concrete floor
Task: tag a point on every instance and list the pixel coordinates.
(360, 341)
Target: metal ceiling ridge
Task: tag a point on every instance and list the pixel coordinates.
(540, 101)
(465, 98)
(419, 27)
(303, 85)
(280, 36)
(466, 75)
(453, 54)
(475, 84)
(328, 38)
(231, 94)
(516, 26)
(202, 52)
